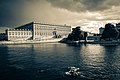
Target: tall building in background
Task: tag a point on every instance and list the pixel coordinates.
(37, 31)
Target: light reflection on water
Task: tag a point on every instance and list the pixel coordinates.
(92, 55)
(95, 61)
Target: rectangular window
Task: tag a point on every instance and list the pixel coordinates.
(18, 33)
(27, 33)
(12, 33)
(21, 33)
(24, 33)
(15, 33)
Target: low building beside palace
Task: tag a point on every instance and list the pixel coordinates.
(18, 34)
(37, 31)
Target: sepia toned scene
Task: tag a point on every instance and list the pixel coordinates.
(59, 40)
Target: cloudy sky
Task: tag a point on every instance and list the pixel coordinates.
(89, 14)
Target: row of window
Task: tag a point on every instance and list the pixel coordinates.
(64, 30)
(47, 31)
(37, 33)
(51, 28)
(50, 34)
(20, 33)
(43, 27)
(19, 36)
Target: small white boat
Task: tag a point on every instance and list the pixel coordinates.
(73, 71)
(73, 68)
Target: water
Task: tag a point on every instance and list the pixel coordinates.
(49, 61)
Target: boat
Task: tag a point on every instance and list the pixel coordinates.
(73, 71)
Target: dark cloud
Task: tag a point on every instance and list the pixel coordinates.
(12, 12)
(72, 12)
(72, 5)
(84, 5)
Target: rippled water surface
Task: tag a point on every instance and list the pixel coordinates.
(49, 61)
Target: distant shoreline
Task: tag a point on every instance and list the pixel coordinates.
(106, 43)
(59, 41)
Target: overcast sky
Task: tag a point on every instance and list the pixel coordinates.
(89, 14)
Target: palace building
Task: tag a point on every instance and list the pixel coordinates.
(37, 31)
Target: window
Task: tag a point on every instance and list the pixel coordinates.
(15, 33)
(12, 33)
(27, 33)
(24, 33)
(21, 33)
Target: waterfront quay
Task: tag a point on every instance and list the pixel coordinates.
(30, 41)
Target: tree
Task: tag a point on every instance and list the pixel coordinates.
(110, 32)
(75, 35)
(85, 36)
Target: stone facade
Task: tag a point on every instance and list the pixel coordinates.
(37, 31)
(44, 31)
(18, 34)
